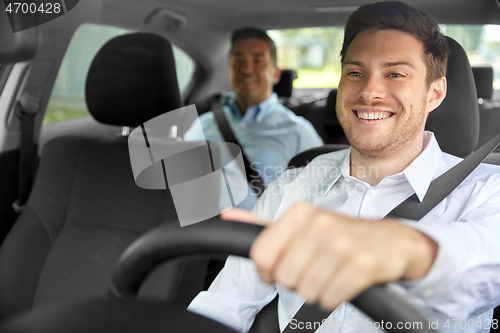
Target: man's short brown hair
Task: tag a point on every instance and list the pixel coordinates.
(395, 15)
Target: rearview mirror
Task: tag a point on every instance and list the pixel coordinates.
(19, 46)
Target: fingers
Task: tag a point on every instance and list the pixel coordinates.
(277, 238)
(330, 258)
(237, 214)
(313, 280)
(348, 279)
(303, 251)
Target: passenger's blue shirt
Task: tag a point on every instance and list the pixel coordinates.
(269, 133)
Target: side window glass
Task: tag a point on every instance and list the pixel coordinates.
(67, 100)
(185, 68)
(313, 52)
(481, 43)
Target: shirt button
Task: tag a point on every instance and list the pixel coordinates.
(352, 313)
(347, 180)
(259, 118)
(243, 126)
(372, 193)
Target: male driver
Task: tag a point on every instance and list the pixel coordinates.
(269, 133)
(330, 249)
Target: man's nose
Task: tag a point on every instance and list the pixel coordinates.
(373, 88)
(247, 67)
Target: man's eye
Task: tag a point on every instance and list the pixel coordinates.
(354, 74)
(395, 75)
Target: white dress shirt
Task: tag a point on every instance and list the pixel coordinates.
(463, 284)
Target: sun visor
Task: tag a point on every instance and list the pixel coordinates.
(19, 46)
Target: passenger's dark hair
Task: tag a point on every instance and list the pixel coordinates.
(395, 15)
(251, 32)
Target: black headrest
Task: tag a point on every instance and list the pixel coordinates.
(132, 79)
(483, 77)
(284, 87)
(456, 121)
(331, 100)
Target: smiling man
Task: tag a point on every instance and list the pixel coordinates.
(329, 242)
(385, 94)
(269, 133)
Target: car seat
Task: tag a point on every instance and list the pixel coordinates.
(284, 87)
(489, 109)
(85, 207)
(483, 77)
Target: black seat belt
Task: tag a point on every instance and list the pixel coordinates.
(26, 109)
(252, 175)
(412, 209)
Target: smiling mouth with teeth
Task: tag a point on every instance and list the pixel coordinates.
(373, 115)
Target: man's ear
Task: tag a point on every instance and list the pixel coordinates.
(436, 93)
(277, 75)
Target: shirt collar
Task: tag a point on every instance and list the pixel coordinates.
(337, 169)
(419, 173)
(255, 113)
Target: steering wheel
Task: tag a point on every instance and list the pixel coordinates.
(217, 236)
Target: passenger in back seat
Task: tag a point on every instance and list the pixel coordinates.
(269, 133)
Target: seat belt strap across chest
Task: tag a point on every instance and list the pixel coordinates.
(412, 209)
(252, 175)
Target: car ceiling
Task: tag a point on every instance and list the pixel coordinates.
(218, 17)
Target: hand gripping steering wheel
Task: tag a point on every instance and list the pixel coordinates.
(216, 236)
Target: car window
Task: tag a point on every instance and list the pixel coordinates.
(481, 43)
(67, 100)
(312, 52)
(315, 52)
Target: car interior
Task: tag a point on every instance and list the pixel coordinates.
(69, 205)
